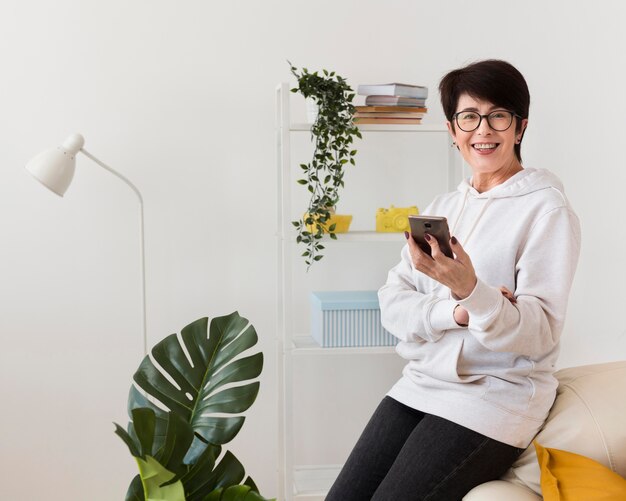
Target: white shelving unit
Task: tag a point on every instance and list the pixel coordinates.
(295, 346)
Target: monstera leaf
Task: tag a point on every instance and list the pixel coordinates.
(154, 478)
(166, 477)
(195, 387)
(174, 433)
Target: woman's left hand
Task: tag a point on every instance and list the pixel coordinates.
(457, 274)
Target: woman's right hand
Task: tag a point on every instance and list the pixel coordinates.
(461, 316)
(456, 273)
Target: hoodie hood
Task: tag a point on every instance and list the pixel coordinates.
(526, 181)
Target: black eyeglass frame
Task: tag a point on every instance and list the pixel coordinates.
(480, 119)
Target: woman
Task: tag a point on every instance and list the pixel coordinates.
(479, 379)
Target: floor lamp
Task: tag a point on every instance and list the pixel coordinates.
(54, 168)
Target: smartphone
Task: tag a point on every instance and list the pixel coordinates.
(436, 227)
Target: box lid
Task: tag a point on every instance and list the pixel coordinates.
(345, 300)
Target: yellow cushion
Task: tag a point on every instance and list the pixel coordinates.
(566, 476)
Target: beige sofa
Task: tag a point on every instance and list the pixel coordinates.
(588, 418)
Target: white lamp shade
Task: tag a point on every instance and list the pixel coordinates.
(54, 168)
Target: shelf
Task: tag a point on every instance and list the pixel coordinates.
(306, 345)
(296, 348)
(314, 482)
(305, 127)
(360, 236)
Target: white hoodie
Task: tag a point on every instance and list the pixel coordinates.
(496, 375)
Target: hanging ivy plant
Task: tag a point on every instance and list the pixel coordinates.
(333, 133)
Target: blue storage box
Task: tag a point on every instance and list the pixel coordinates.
(348, 318)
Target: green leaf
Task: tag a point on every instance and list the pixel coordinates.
(229, 471)
(198, 479)
(240, 370)
(135, 490)
(153, 475)
(214, 496)
(144, 421)
(236, 399)
(235, 493)
(196, 394)
(241, 493)
(178, 439)
(132, 446)
(137, 400)
(196, 449)
(250, 483)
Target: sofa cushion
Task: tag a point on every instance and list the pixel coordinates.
(587, 418)
(498, 490)
(566, 476)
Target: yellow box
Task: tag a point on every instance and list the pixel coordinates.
(394, 219)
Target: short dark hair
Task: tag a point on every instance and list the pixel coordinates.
(490, 80)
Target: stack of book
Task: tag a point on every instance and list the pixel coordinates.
(392, 103)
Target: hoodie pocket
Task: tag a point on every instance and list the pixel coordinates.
(514, 389)
(446, 362)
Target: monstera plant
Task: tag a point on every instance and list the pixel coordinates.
(177, 428)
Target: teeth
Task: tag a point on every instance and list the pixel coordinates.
(485, 146)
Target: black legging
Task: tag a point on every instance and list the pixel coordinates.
(404, 454)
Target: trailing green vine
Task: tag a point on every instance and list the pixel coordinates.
(333, 133)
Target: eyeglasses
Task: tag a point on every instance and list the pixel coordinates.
(499, 120)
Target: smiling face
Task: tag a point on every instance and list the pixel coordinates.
(487, 151)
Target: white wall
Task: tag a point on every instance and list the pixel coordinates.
(179, 96)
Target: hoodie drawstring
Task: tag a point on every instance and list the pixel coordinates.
(462, 211)
(480, 214)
